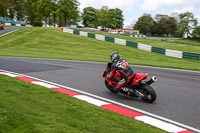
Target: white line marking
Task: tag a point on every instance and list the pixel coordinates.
(9, 32)
(160, 124)
(91, 100)
(9, 74)
(44, 84)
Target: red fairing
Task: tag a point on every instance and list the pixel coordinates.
(139, 77)
(124, 64)
(117, 75)
(1, 25)
(105, 72)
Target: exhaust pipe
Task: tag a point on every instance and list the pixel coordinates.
(153, 79)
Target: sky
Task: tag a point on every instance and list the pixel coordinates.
(133, 9)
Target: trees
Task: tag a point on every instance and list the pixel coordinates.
(33, 16)
(116, 18)
(45, 8)
(20, 14)
(54, 11)
(177, 25)
(164, 25)
(196, 33)
(172, 26)
(68, 12)
(186, 24)
(104, 17)
(161, 25)
(3, 8)
(144, 24)
(35, 12)
(61, 12)
(11, 9)
(90, 17)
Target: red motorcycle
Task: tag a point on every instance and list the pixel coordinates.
(1, 26)
(138, 87)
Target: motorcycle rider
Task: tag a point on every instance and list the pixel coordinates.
(126, 72)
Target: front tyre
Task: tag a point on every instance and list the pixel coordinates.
(149, 93)
(110, 88)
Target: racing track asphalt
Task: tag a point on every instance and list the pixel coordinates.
(9, 29)
(177, 90)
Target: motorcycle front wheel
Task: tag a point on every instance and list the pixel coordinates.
(149, 93)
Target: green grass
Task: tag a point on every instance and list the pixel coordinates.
(12, 26)
(162, 37)
(161, 44)
(29, 108)
(53, 44)
(189, 42)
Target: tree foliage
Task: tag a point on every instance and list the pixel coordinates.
(90, 17)
(36, 12)
(105, 17)
(180, 25)
(186, 24)
(144, 24)
(116, 18)
(164, 25)
(68, 11)
(196, 33)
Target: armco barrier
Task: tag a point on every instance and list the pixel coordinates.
(91, 35)
(145, 47)
(158, 50)
(131, 44)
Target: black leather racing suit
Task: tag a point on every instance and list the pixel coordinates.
(126, 72)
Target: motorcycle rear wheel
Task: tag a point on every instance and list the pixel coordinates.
(148, 91)
(110, 88)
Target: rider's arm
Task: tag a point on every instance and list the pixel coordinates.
(113, 71)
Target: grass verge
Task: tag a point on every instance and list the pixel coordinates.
(25, 107)
(189, 42)
(51, 43)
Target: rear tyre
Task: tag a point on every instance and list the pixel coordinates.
(110, 88)
(148, 91)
